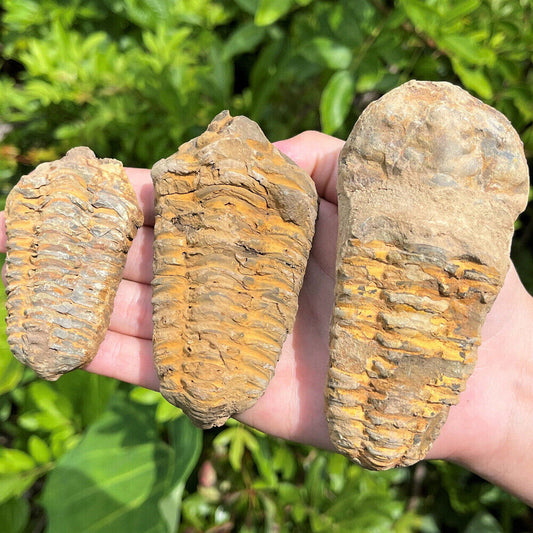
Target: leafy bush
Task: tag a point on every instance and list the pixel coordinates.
(133, 79)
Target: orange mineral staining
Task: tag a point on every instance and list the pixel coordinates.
(69, 226)
(431, 181)
(234, 224)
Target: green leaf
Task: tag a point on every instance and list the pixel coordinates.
(327, 52)
(424, 16)
(269, 11)
(336, 100)
(10, 369)
(12, 460)
(39, 450)
(14, 515)
(145, 396)
(114, 479)
(249, 6)
(186, 440)
(461, 9)
(165, 411)
(483, 522)
(17, 473)
(244, 39)
(464, 47)
(14, 485)
(474, 79)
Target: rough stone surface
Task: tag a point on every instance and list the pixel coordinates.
(233, 229)
(431, 181)
(69, 226)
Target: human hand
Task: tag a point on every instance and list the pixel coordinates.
(481, 431)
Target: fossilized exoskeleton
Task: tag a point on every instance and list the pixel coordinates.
(431, 181)
(69, 226)
(234, 221)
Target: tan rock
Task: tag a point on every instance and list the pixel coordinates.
(431, 181)
(234, 224)
(69, 227)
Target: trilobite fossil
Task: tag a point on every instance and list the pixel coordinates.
(69, 227)
(233, 229)
(431, 181)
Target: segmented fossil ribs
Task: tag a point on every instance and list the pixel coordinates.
(430, 183)
(69, 226)
(233, 229)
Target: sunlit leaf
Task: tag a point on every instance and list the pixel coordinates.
(336, 100)
(269, 11)
(474, 80)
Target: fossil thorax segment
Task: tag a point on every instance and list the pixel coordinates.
(431, 181)
(234, 224)
(69, 226)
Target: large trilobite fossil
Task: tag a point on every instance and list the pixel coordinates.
(233, 229)
(69, 227)
(431, 181)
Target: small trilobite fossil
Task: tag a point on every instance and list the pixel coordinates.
(431, 181)
(233, 229)
(69, 226)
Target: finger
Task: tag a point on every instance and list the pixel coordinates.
(127, 359)
(142, 185)
(292, 406)
(132, 310)
(317, 153)
(324, 247)
(139, 260)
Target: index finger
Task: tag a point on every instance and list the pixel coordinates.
(317, 153)
(144, 190)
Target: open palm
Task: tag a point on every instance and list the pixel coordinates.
(480, 431)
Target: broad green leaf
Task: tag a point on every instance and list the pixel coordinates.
(244, 39)
(186, 441)
(474, 80)
(87, 394)
(114, 479)
(14, 515)
(336, 100)
(269, 11)
(465, 48)
(327, 52)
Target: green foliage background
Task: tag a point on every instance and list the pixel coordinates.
(133, 79)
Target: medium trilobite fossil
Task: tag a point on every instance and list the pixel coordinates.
(69, 226)
(233, 229)
(431, 181)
